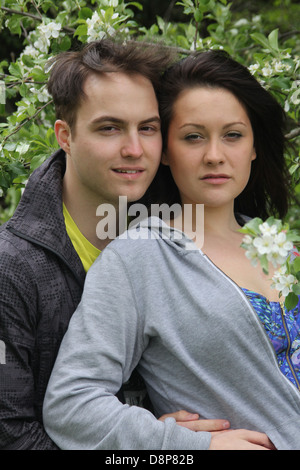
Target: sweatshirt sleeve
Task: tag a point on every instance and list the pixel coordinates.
(102, 346)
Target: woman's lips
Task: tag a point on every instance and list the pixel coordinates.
(215, 178)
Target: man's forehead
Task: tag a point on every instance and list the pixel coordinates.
(115, 78)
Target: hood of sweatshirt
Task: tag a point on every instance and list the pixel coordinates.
(154, 228)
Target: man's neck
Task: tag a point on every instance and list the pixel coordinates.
(98, 227)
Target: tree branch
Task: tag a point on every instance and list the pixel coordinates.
(34, 17)
(25, 122)
(293, 133)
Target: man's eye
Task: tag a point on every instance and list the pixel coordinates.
(233, 135)
(108, 129)
(149, 129)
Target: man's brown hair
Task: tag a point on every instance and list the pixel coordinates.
(69, 70)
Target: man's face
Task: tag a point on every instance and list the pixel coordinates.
(115, 147)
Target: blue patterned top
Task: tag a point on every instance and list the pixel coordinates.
(283, 329)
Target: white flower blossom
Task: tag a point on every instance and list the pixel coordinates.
(278, 66)
(283, 283)
(50, 30)
(267, 229)
(256, 18)
(281, 243)
(295, 97)
(286, 106)
(271, 242)
(247, 240)
(97, 27)
(263, 244)
(31, 51)
(42, 94)
(42, 44)
(241, 22)
(267, 71)
(199, 45)
(252, 254)
(253, 68)
(275, 257)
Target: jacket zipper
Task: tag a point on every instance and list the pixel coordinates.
(258, 322)
(287, 353)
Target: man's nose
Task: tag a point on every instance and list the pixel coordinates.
(132, 146)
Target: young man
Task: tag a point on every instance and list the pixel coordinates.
(108, 128)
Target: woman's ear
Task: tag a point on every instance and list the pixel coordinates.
(253, 154)
(63, 135)
(164, 159)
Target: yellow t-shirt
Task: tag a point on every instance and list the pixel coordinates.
(85, 250)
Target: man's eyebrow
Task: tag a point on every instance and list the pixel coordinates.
(151, 119)
(102, 119)
(115, 120)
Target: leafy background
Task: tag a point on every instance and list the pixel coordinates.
(264, 35)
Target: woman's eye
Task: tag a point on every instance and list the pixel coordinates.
(193, 137)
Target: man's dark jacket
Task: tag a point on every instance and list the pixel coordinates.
(41, 282)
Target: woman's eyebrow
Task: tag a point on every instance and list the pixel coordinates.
(114, 120)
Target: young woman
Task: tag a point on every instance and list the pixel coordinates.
(202, 325)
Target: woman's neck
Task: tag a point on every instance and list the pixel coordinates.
(200, 223)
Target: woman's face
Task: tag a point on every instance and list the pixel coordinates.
(209, 147)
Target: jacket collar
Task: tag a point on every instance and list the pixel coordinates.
(39, 216)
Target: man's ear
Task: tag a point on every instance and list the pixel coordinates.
(164, 159)
(63, 135)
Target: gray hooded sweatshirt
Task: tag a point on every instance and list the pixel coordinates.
(166, 309)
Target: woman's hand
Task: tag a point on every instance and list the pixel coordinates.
(223, 438)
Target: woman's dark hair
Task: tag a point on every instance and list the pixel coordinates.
(267, 190)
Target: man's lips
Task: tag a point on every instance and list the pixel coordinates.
(128, 170)
(129, 173)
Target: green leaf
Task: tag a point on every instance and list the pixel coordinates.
(108, 14)
(296, 288)
(81, 30)
(291, 301)
(85, 13)
(296, 264)
(198, 15)
(252, 226)
(135, 4)
(273, 39)
(264, 264)
(37, 160)
(5, 180)
(65, 43)
(16, 168)
(260, 39)
(15, 69)
(28, 60)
